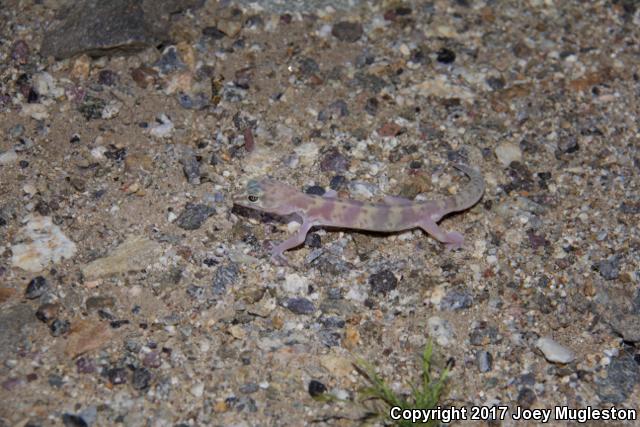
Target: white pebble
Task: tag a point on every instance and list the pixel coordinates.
(508, 152)
(554, 352)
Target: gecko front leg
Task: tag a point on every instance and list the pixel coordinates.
(277, 252)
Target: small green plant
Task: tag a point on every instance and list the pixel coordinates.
(423, 396)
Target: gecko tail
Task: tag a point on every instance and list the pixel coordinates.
(470, 194)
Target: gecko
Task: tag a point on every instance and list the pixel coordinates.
(392, 214)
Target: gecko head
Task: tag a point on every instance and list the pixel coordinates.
(265, 195)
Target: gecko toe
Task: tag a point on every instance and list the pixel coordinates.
(454, 241)
(279, 259)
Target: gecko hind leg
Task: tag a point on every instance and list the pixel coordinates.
(451, 239)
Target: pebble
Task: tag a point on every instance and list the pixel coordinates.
(622, 375)
(249, 388)
(170, 61)
(59, 327)
(441, 330)
(294, 284)
(8, 157)
(225, 276)
(609, 268)
(334, 161)
(141, 379)
(163, 128)
(316, 388)
(446, 56)
(134, 254)
(72, 420)
(362, 190)
(197, 390)
(508, 152)
(92, 107)
(190, 165)
(100, 302)
(457, 299)
(484, 360)
(104, 28)
(194, 215)
(36, 287)
(44, 242)
(568, 145)
(117, 375)
(299, 305)
(347, 31)
(213, 33)
(554, 352)
(383, 282)
(338, 183)
(47, 312)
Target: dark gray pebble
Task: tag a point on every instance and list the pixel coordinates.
(526, 397)
(117, 375)
(190, 166)
(170, 61)
(568, 144)
(623, 373)
(300, 305)
(225, 276)
(457, 299)
(59, 327)
(347, 31)
(484, 360)
(383, 282)
(369, 81)
(194, 215)
(446, 56)
(100, 303)
(316, 388)
(71, 420)
(329, 337)
(36, 287)
(313, 240)
(315, 190)
(213, 33)
(609, 268)
(141, 379)
(338, 182)
(91, 108)
(371, 106)
(249, 388)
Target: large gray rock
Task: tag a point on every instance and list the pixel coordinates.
(98, 27)
(17, 323)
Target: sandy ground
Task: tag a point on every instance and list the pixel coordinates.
(133, 293)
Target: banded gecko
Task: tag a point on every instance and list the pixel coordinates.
(393, 214)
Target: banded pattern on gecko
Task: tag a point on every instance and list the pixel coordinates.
(391, 215)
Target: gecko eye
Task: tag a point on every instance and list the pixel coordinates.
(253, 198)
